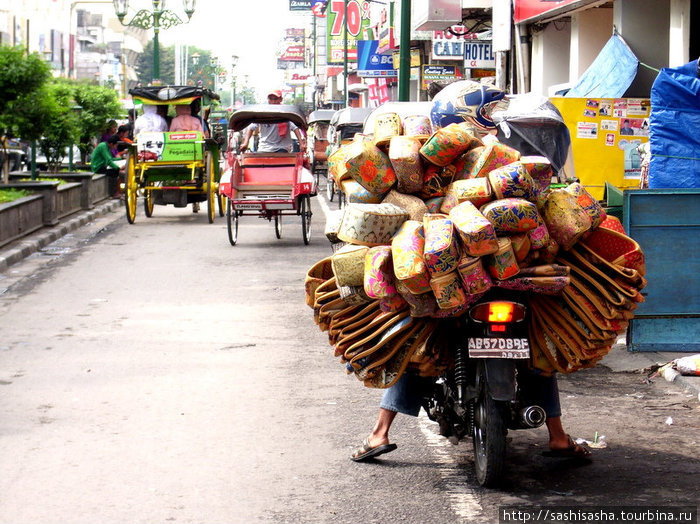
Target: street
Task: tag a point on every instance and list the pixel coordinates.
(154, 373)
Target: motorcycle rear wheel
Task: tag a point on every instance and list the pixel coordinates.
(489, 438)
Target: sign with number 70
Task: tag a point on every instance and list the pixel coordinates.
(358, 19)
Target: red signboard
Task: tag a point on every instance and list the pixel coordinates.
(526, 9)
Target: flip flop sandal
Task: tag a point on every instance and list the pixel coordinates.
(366, 452)
(574, 451)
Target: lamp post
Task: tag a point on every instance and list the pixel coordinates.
(159, 18)
(234, 62)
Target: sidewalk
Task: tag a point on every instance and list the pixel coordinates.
(22, 248)
(619, 360)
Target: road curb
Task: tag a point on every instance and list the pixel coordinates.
(22, 248)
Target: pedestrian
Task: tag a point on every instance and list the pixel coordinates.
(122, 146)
(110, 129)
(102, 162)
(274, 138)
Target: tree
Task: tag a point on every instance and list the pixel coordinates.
(99, 105)
(21, 75)
(144, 64)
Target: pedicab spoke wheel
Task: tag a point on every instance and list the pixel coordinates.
(305, 212)
(222, 204)
(211, 190)
(130, 190)
(489, 437)
(330, 189)
(232, 223)
(148, 203)
(278, 226)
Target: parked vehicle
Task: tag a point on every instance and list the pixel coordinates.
(317, 141)
(481, 397)
(172, 168)
(267, 185)
(341, 130)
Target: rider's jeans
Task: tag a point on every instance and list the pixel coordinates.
(406, 395)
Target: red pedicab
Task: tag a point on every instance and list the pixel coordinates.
(267, 185)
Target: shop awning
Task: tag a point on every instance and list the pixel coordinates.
(610, 74)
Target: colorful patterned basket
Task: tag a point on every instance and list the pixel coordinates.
(566, 220)
(422, 305)
(588, 203)
(540, 169)
(475, 231)
(356, 194)
(512, 215)
(493, 156)
(379, 273)
(502, 264)
(475, 190)
(349, 264)
(512, 181)
(417, 126)
(406, 161)
(447, 143)
(407, 248)
(370, 166)
(414, 206)
(474, 276)
(441, 253)
(448, 290)
(386, 126)
(371, 224)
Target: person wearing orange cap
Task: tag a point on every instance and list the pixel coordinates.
(274, 138)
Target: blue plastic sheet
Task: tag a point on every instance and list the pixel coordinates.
(610, 74)
(673, 128)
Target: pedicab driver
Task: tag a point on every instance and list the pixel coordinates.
(274, 138)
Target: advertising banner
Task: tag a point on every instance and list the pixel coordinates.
(293, 53)
(358, 19)
(450, 46)
(372, 64)
(299, 5)
(438, 73)
(525, 9)
(605, 134)
(298, 77)
(479, 55)
(183, 146)
(385, 30)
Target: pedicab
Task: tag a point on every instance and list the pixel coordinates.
(341, 130)
(317, 140)
(172, 168)
(267, 185)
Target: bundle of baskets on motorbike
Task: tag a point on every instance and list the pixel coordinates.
(434, 220)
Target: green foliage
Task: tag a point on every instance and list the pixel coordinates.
(10, 195)
(62, 127)
(202, 71)
(20, 74)
(99, 105)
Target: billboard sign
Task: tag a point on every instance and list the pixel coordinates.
(358, 19)
(438, 73)
(526, 9)
(479, 55)
(372, 64)
(299, 5)
(447, 45)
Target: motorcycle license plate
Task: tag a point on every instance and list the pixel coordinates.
(489, 347)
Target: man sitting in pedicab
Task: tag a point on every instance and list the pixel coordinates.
(274, 138)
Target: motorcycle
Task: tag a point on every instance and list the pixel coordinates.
(481, 397)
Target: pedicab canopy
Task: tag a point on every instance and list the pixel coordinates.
(266, 114)
(178, 95)
(321, 115)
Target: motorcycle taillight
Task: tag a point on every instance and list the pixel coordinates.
(500, 312)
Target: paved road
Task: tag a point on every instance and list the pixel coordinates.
(153, 373)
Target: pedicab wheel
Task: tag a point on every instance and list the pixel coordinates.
(148, 203)
(489, 437)
(305, 212)
(232, 223)
(222, 204)
(342, 201)
(278, 226)
(130, 188)
(211, 190)
(330, 189)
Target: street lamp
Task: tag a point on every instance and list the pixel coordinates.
(158, 18)
(234, 62)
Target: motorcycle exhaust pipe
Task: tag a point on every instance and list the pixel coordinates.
(532, 416)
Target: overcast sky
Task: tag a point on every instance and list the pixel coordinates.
(250, 29)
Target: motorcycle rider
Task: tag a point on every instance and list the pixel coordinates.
(406, 397)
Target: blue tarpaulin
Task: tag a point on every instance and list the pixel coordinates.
(673, 128)
(610, 74)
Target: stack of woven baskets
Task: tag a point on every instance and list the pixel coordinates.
(433, 222)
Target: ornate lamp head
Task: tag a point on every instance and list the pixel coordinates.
(188, 6)
(120, 8)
